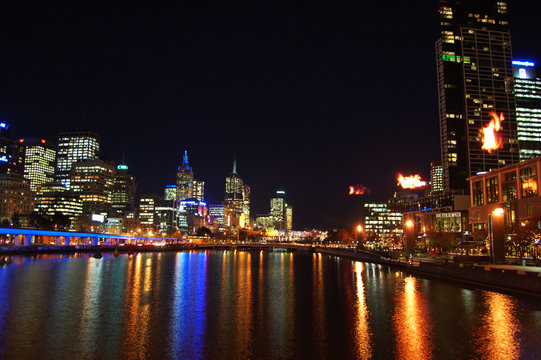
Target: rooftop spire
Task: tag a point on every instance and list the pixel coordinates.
(234, 164)
(185, 158)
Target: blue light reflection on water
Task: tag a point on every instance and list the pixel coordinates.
(188, 320)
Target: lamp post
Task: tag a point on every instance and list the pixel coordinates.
(410, 236)
(497, 236)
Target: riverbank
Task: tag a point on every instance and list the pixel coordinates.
(524, 280)
(71, 249)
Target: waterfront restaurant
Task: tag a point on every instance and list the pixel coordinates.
(515, 188)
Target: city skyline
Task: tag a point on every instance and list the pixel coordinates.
(290, 124)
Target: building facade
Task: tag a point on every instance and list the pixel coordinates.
(123, 192)
(184, 187)
(39, 162)
(528, 99)
(475, 78)
(382, 221)
(170, 192)
(147, 208)
(16, 198)
(93, 181)
(74, 147)
(11, 152)
(515, 188)
(53, 198)
(199, 190)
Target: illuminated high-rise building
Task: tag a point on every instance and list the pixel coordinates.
(123, 192)
(147, 208)
(170, 192)
(199, 190)
(277, 210)
(11, 152)
(39, 162)
(246, 202)
(436, 177)
(164, 216)
(475, 78)
(381, 220)
(234, 191)
(53, 198)
(73, 147)
(184, 180)
(288, 217)
(528, 97)
(93, 181)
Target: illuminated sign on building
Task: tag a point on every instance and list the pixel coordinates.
(523, 63)
(3, 125)
(122, 167)
(4, 158)
(98, 217)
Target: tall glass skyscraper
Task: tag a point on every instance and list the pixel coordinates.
(73, 147)
(184, 180)
(528, 97)
(39, 162)
(475, 78)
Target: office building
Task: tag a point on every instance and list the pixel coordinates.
(277, 210)
(216, 213)
(515, 188)
(191, 215)
(165, 216)
(39, 162)
(234, 191)
(53, 198)
(381, 220)
(147, 207)
(436, 177)
(11, 152)
(199, 190)
(528, 99)
(475, 79)
(170, 192)
(289, 217)
(93, 181)
(16, 198)
(184, 180)
(123, 192)
(74, 147)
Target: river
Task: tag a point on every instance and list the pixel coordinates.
(251, 305)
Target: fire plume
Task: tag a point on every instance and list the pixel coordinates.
(490, 137)
(358, 190)
(410, 182)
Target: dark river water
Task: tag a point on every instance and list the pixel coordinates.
(251, 305)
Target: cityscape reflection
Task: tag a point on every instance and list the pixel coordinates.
(242, 304)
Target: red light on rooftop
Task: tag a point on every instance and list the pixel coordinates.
(21, 140)
(42, 141)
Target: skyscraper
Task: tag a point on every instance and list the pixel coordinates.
(234, 190)
(277, 210)
(147, 207)
(475, 78)
(184, 180)
(528, 97)
(11, 152)
(93, 181)
(39, 162)
(436, 177)
(123, 192)
(73, 147)
(199, 190)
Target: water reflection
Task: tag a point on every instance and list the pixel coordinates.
(411, 322)
(250, 305)
(498, 329)
(362, 333)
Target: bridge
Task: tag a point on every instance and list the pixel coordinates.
(27, 237)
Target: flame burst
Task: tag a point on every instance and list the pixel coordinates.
(358, 190)
(410, 182)
(490, 137)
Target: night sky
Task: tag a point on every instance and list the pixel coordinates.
(311, 99)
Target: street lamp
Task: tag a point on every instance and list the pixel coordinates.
(497, 236)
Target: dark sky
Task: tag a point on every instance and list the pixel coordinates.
(311, 99)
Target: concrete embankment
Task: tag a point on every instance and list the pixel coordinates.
(523, 280)
(70, 249)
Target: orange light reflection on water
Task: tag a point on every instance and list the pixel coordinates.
(362, 332)
(412, 323)
(498, 330)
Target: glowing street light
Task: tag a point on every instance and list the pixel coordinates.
(497, 212)
(359, 228)
(409, 223)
